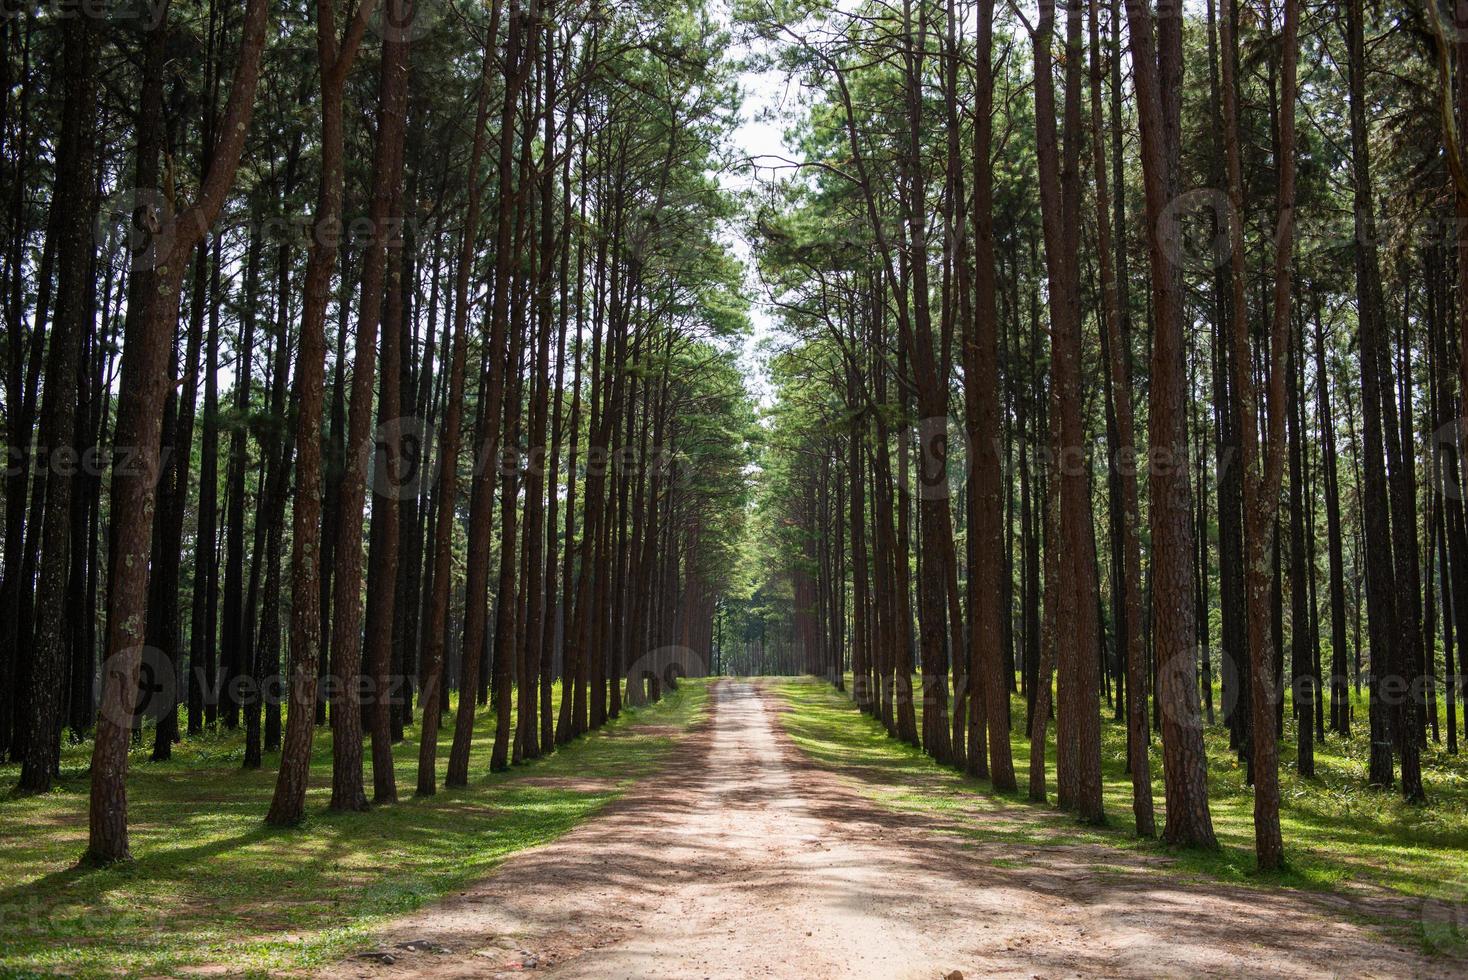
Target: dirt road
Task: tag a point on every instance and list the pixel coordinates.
(745, 860)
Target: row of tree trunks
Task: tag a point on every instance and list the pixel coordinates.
(632, 599)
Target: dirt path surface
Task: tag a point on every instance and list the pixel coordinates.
(745, 860)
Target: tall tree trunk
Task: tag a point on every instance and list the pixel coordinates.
(393, 476)
(1078, 746)
(1262, 466)
(1340, 706)
(1185, 768)
(1375, 503)
(335, 57)
(981, 391)
(1129, 632)
(139, 420)
(71, 200)
(1301, 570)
(347, 790)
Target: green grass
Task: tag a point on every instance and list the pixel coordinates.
(1336, 830)
(212, 884)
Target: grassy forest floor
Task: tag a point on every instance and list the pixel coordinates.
(212, 885)
(1340, 836)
